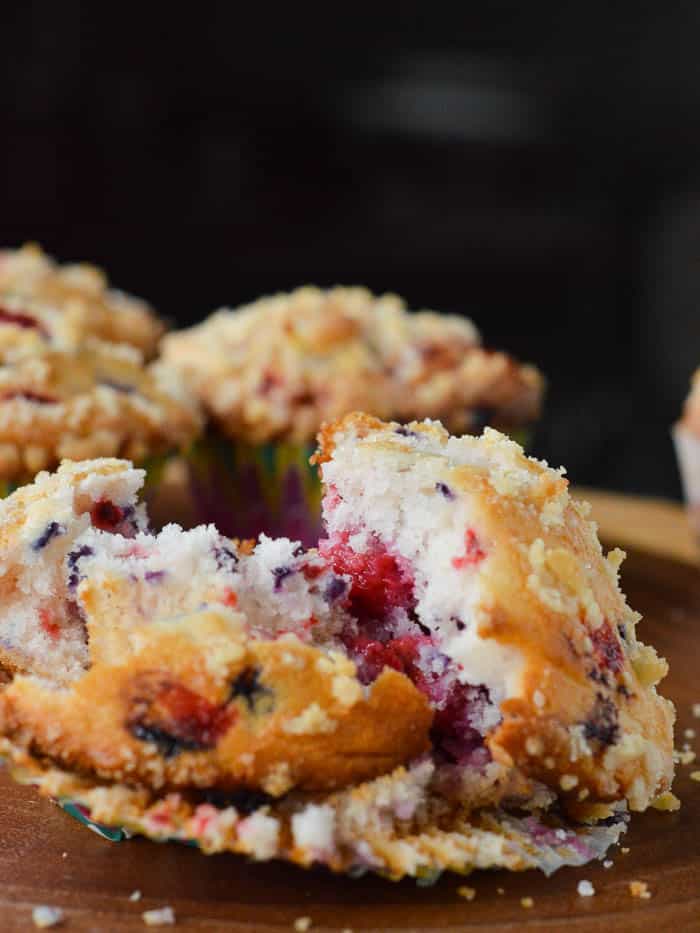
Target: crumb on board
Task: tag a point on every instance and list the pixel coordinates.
(640, 889)
(625, 850)
(608, 863)
(527, 902)
(302, 924)
(64, 855)
(161, 917)
(135, 895)
(689, 733)
(696, 710)
(466, 892)
(695, 775)
(44, 916)
(585, 889)
(500, 890)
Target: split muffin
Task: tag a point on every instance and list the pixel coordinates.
(451, 679)
(269, 374)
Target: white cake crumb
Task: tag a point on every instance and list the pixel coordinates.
(44, 916)
(135, 895)
(608, 863)
(302, 924)
(163, 916)
(585, 889)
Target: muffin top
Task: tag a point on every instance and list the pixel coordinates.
(96, 400)
(42, 302)
(278, 368)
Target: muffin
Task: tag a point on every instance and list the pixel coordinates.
(686, 439)
(44, 303)
(96, 400)
(269, 374)
(450, 680)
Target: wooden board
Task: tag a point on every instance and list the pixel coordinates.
(94, 879)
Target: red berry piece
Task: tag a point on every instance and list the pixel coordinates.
(607, 649)
(380, 581)
(473, 553)
(106, 516)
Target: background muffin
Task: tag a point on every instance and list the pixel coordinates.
(96, 400)
(43, 302)
(269, 374)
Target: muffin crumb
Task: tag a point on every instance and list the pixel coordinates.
(640, 889)
(695, 775)
(466, 892)
(163, 916)
(585, 889)
(44, 916)
(527, 902)
(135, 896)
(302, 924)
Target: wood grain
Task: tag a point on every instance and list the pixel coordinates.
(94, 879)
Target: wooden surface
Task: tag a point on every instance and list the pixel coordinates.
(94, 879)
(654, 525)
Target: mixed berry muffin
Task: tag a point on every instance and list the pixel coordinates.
(450, 671)
(270, 373)
(686, 438)
(97, 400)
(44, 303)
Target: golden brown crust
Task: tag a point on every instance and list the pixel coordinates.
(200, 704)
(95, 401)
(68, 304)
(278, 368)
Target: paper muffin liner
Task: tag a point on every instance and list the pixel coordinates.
(687, 446)
(248, 489)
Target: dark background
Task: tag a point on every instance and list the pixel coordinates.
(536, 169)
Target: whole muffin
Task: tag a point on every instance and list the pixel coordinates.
(42, 302)
(96, 400)
(270, 373)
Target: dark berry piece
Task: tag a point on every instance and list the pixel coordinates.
(72, 561)
(606, 648)
(280, 574)
(106, 516)
(174, 717)
(405, 432)
(445, 490)
(602, 725)
(336, 588)
(298, 550)
(247, 687)
(52, 530)
(225, 558)
(154, 576)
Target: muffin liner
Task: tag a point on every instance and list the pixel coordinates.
(687, 446)
(248, 489)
